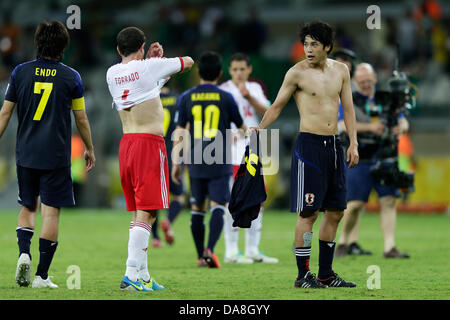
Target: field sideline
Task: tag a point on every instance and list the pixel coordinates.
(96, 242)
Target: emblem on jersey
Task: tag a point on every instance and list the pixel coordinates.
(309, 199)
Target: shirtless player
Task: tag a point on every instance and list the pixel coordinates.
(317, 173)
(135, 86)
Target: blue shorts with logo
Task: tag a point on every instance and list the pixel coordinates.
(217, 189)
(317, 174)
(360, 183)
(54, 186)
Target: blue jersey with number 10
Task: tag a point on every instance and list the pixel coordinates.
(209, 111)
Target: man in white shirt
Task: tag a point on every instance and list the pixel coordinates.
(135, 85)
(252, 103)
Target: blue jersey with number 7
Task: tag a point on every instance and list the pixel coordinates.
(45, 92)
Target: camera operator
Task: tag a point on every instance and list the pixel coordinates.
(371, 127)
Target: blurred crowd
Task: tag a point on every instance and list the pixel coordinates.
(188, 28)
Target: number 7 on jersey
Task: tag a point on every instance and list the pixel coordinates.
(38, 87)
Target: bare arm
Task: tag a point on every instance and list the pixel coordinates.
(181, 141)
(5, 115)
(258, 106)
(284, 94)
(349, 119)
(82, 123)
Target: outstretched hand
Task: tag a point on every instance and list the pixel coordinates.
(155, 51)
(251, 130)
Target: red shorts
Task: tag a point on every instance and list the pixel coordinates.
(144, 171)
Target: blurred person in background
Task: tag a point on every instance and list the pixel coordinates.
(9, 40)
(252, 103)
(251, 34)
(359, 180)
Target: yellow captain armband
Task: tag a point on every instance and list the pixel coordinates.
(78, 104)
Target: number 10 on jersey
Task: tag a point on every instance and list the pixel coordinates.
(207, 128)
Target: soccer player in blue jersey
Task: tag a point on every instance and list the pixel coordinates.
(207, 111)
(45, 92)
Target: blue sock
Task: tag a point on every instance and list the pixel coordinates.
(215, 226)
(47, 249)
(326, 253)
(302, 256)
(24, 236)
(198, 231)
(174, 210)
(155, 229)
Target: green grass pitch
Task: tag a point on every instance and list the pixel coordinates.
(96, 242)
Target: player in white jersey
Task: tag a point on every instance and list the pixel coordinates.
(252, 103)
(135, 85)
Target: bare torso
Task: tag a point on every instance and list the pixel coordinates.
(317, 96)
(146, 117)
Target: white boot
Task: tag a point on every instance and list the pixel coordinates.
(38, 282)
(23, 270)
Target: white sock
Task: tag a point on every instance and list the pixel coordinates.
(253, 235)
(137, 249)
(231, 235)
(143, 265)
(143, 271)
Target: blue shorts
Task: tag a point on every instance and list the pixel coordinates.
(217, 189)
(360, 183)
(175, 189)
(54, 186)
(317, 174)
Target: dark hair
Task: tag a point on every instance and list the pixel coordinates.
(209, 65)
(239, 56)
(130, 40)
(51, 39)
(320, 31)
(344, 54)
